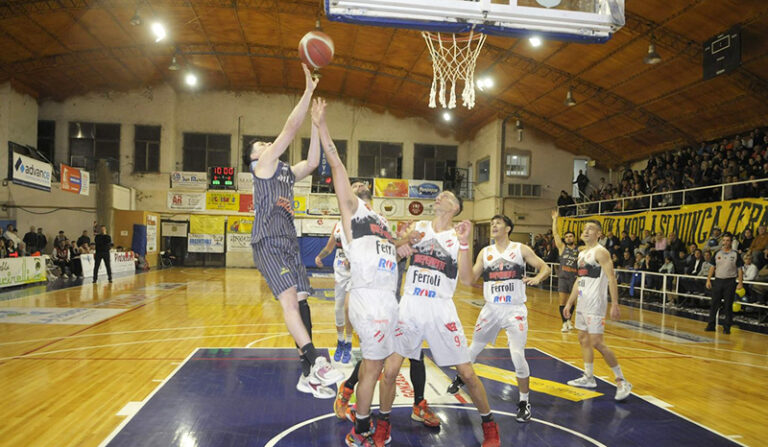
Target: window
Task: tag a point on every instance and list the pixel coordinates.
(518, 163)
(318, 181)
(432, 161)
(90, 142)
(203, 150)
(146, 155)
(46, 136)
(484, 170)
(380, 159)
(246, 151)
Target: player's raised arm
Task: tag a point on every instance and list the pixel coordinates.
(305, 167)
(345, 195)
(555, 234)
(468, 273)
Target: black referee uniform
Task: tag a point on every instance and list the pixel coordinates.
(727, 269)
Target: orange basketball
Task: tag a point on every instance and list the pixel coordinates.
(316, 49)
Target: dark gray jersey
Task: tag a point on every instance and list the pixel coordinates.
(273, 204)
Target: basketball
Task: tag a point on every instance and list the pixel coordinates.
(316, 49)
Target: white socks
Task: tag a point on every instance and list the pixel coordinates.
(589, 369)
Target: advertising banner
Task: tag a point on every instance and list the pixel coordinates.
(424, 189)
(189, 180)
(390, 187)
(75, 180)
(389, 208)
(238, 242)
(692, 223)
(300, 205)
(15, 271)
(151, 234)
(205, 243)
(121, 262)
(420, 209)
(245, 181)
(321, 226)
(246, 203)
(207, 224)
(29, 172)
(174, 229)
(186, 201)
(237, 224)
(222, 201)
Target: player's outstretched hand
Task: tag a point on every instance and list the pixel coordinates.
(414, 237)
(555, 214)
(463, 230)
(311, 82)
(531, 281)
(318, 111)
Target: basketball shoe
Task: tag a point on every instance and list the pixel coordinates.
(317, 390)
(422, 413)
(347, 354)
(583, 382)
(340, 345)
(382, 434)
(456, 385)
(623, 388)
(354, 439)
(341, 404)
(523, 411)
(491, 435)
(323, 373)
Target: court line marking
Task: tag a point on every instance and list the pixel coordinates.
(125, 421)
(663, 408)
(273, 442)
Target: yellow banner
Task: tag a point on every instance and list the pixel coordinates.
(207, 224)
(300, 205)
(692, 223)
(238, 224)
(222, 201)
(390, 187)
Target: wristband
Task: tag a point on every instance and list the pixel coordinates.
(463, 246)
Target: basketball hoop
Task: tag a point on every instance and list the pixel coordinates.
(453, 58)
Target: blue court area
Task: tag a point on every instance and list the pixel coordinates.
(247, 397)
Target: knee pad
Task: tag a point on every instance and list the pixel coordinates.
(521, 365)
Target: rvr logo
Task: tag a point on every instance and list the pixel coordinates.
(388, 266)
(502, 299)
(424, 292)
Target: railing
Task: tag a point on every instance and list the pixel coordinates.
(661, 200)
(643, 282)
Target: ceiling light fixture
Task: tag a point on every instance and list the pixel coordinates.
(174, 65)
(484, 82)
(136, 19)
(535, 41)
(159, 31)
(569, 101)
(652, 58)
(191, 79)
(447, 116)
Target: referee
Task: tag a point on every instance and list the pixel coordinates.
(727, 271)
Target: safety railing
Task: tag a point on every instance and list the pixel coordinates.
(666, 199)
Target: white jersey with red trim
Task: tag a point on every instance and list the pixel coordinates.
(503, 274)
(593, 284)
(371, 251)
(434, 267)
(339, 264)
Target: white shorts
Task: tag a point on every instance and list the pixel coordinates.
(373, 314)
(494, 317)
(436, 321)
(341, 274)
(593, 324)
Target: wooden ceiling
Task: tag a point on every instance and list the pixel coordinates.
(625, 110)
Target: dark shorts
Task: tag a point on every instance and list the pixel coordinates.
(279, 261)
(565, 283)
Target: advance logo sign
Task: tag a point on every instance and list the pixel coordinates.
(30, 172)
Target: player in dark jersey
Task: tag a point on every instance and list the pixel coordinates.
(274, 243)
(569, 255)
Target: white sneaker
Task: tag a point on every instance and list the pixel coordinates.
(623, 388)
(565, 327)
(583, 382)
(319, 391)
(324, 374)
(570, 325)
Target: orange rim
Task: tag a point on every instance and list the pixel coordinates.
(438, 37)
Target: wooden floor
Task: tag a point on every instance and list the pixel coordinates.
(63, 385)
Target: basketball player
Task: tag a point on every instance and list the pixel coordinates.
(596, 277)
(372, 256)
(427, 312)
(341, 279)
(274, 243)
(569, 254)
(502, 265)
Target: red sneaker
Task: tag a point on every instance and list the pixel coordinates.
(491, 435)
(422, 413)
(341, 404)
(381, 436)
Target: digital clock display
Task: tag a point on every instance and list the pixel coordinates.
(221, 177)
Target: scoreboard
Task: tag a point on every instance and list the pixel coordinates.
(221, 177)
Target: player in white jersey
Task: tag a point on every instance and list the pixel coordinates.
(372, 256)
(427, 312)
(596, 278)
(502, 265)
(341, 278)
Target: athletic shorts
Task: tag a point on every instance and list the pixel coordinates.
(591, 323)
(278, 259)
(565, 283)
(494, 317)
(373, 314)
(341, 274)
(436, 321)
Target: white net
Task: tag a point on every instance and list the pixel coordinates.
(453, 59)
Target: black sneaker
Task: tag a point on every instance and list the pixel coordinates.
(523, 411)
(710, 328)
(456, 385)
(726, 330)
